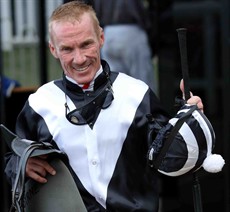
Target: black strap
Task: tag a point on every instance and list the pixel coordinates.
(18, 187)
(172, 135)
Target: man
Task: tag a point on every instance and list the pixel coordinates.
(97, 117)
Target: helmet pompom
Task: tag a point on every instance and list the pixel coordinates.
(213, 163)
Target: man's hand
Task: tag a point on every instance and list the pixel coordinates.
(194, 100)
(37, 169)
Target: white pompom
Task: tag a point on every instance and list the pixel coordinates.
(213, 163)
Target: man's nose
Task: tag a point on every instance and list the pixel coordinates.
(79, 57)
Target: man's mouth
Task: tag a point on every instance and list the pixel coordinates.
(82, 69)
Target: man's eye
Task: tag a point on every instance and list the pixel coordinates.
(87, 44)
(65, 49)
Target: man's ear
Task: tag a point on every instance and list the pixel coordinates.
(102, 38)
(53, 50)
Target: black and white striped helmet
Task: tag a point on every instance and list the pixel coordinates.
(193, 148)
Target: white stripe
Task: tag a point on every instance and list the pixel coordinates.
(206, 131)
(183, 111)
(192, 148)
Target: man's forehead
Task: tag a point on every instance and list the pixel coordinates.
(83, 18)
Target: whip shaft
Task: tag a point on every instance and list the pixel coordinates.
(182, 37)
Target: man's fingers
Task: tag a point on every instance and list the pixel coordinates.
(38, 178)
(196, 100)
(38, 168)
(48, 168)
(182, 86)
(182, 89)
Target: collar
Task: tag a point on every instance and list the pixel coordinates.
(101, 77)
(91, 84)
(102, 96)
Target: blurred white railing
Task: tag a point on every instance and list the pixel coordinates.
(19, 27)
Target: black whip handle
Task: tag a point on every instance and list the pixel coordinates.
(182, 32)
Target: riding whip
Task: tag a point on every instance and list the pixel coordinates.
(185, 73)
(212, 163)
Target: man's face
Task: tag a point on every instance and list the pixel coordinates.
(77, 46)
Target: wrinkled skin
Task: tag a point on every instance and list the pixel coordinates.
(77, 45)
